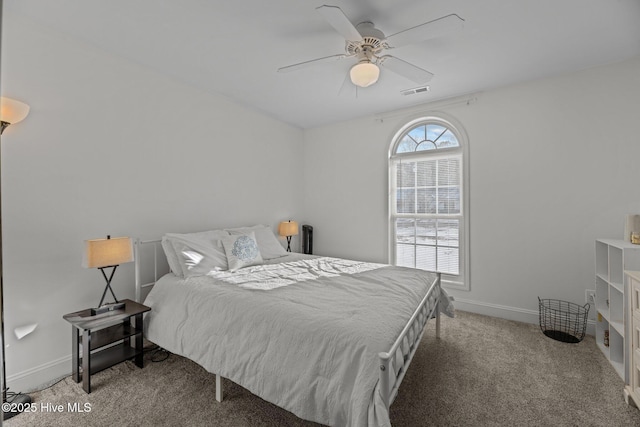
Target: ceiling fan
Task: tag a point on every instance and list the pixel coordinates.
(366, 43)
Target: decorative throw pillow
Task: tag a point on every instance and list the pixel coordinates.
(268, 243)
(242, 251)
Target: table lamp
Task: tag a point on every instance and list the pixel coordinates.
(107, 253)
(288, 229)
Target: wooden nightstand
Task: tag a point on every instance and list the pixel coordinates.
(109, 337)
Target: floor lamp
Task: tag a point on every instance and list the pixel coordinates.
(11, 111)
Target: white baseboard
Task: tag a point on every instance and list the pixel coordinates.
(40, 376)
(507, 312)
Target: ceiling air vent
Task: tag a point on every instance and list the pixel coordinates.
(415, 90)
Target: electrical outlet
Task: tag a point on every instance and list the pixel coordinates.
(590, 296)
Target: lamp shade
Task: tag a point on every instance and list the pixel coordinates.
(12, 111)
(107, 252)
(364, 74)
(288, 228)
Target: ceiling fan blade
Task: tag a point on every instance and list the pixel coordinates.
(405, 69)
(338, 20)
(428, 30)
(295, 67)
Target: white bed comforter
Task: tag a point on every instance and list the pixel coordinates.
(304, 335)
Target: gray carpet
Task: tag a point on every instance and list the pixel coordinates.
(482, 372)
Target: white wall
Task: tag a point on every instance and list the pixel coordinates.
(554, 164)
(113, 148)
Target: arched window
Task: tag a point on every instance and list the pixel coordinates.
(428, 199)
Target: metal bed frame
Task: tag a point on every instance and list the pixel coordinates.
(390, 376)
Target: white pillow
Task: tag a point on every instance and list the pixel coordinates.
(172, 258)
(206, 243)
(268, 243)
(242, 250)
(196, 262)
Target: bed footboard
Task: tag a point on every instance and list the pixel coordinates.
(392, 367)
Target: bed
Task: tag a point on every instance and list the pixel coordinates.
(327, 339)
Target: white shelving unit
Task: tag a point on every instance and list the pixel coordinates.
(613, 257)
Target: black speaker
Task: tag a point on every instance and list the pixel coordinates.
(307, 239)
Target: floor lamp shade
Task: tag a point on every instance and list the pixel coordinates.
(12, 111)
(107, 252)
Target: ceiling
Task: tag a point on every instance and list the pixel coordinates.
(235, 47)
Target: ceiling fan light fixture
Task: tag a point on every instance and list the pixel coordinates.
(364, 74)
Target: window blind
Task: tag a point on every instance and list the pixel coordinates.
(427, 211)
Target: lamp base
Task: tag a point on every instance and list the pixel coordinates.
(107, 307)
(18, 403)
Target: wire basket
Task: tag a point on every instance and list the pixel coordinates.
(563, 321)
